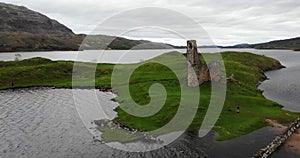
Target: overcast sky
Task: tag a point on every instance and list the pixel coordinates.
(227, 22)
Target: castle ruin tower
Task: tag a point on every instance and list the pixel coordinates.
(198, 72)
(193, 64)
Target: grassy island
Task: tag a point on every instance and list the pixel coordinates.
(247, 69)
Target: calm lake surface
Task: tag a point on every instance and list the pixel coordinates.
(43, 122)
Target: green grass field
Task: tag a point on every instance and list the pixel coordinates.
(246, 67)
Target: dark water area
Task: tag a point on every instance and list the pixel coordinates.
(283, 86)
(43, 122)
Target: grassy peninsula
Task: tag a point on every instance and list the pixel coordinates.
(247, 68)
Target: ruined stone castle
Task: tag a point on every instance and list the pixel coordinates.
(203, 72)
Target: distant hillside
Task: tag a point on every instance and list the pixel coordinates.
(22, 29)
(293, 44)
(244, 45)
(20, 19)
(119, 43)
(24, 41)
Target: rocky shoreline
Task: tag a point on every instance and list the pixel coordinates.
(289, 136)
(140, 136)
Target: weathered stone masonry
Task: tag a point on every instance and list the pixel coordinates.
(202, 72)
(278, 141)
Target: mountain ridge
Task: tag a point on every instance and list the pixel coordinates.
(290, 44)
(15, 18)
(22, 29)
